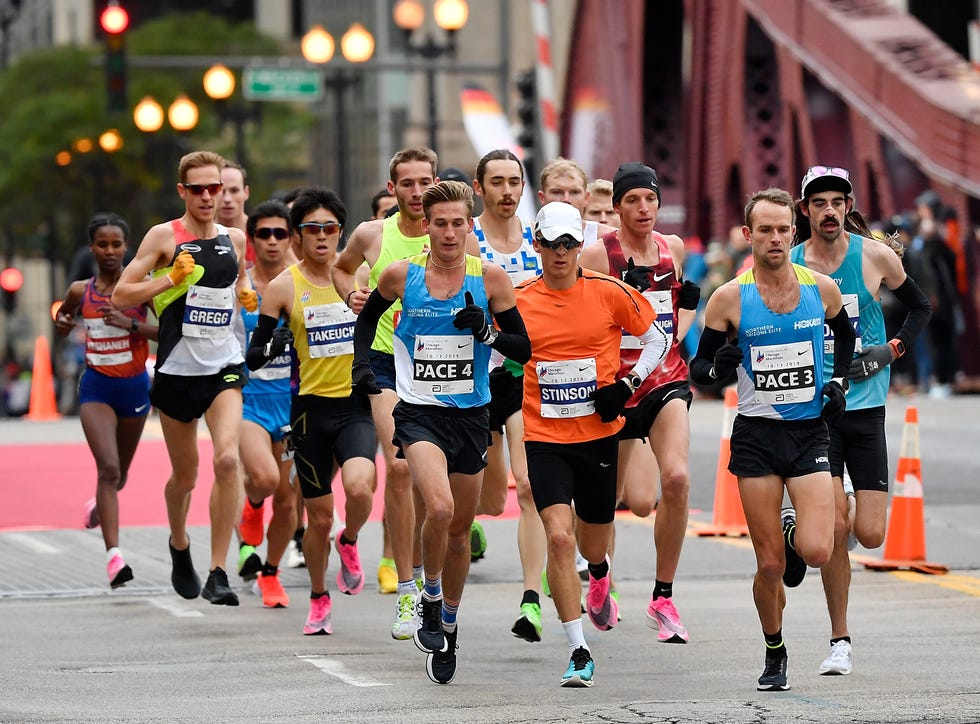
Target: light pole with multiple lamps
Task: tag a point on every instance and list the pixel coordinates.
(357, 46)
(450, 15)
(182, 115)
(219, 84)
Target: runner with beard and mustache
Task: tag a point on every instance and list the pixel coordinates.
(860, 266)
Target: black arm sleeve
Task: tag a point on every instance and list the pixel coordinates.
(909, 294)
(367, 325)
(512, 341)
(704, 360)
(843, 342)
(255, 355)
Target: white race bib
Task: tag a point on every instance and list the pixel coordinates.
(663, 305)
(443, 365)
(565, 387)
(783, 373)
(208, 312)
(106, 345)
(329, 329)
(853, 310)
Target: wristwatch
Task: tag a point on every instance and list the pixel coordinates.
(898, 347)
(632, 381)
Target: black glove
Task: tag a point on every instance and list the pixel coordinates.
(727, 359)
(282, 337)
(689, 295)
(870, 361)
(637, 277)
(473, 318)
(836, 402)
(362, 379)
(610, 400)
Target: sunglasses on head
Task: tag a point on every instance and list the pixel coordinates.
(828, 170)
(328, 227)
(564, 240)
(267, 232)
(198, 189)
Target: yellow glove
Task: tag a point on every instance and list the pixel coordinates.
(182, 268)
(248, 299)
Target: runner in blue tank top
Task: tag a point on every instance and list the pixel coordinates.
(859, 266)
(776, 313)
(442, 348)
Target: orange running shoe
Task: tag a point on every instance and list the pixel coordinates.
(252, 526)
(273, 594)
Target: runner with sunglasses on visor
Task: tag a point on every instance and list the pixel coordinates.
(197, 279)
(574, 394)
(826, 242)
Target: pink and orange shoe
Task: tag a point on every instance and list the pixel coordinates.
(272, 592)
(318, 622)
(350, 577)
(602, 608)
(662, 615)
(119, 572)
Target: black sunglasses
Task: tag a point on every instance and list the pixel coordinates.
(267, 232)
(329, 227)
(198, 189)
(564, 240)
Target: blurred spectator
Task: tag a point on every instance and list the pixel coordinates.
(946, 324)
(738, 248)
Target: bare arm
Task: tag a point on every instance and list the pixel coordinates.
(363, 246)
(155, 252)
(595, 258)
(472, 245)
(65, 320)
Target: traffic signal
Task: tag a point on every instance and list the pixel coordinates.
(114, 21)
(11, 280)
(527, 110)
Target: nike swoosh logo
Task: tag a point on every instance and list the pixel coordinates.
(141, 407)
(460, 346)
(803, 352)
(661, 277)
(604, 465)
(583, 369)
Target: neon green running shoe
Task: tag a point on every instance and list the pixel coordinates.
(545, 588)
(249, 563)
(478, 541)
(528, 626)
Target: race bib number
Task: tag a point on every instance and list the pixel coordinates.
(208, 312)
(329, 330)
(443, 365)
(277, 369)
(783, 373)
(106, 345)
(565, 387)
(663, 307)
(854, 314)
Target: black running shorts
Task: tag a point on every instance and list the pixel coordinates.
(857, 440)
(789, 448)
(463, 434)
(506, 397)
(583, 472)
(186, 398)
(640, 419)
(325, 429)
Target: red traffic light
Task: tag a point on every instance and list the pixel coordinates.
(114, 19)
(11, 279)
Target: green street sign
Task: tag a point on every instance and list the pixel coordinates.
(282, 84)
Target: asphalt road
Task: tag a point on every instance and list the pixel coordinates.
(73, 651)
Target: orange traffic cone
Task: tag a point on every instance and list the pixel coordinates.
(728, 517)
(905, 539)
(43, 405)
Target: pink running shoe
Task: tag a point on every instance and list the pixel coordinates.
(662, 615)
(602, 608)
(350, 577)
(90, 514)
(318, 622)
(119, 572)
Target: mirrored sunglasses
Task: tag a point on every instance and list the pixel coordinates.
(329, 227)
(267, 232)
(198, 189)
(564, 240)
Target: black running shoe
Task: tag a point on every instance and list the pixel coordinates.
(217, 590)
(795, 565)
(429, 635)
(774, 675)
(441, 665)
(183, 577)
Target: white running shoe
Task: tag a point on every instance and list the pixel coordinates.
(406, 618)
(838, 661)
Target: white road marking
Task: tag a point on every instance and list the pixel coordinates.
(333, 667)
(35, 544)
(174, 609)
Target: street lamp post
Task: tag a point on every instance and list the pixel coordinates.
(450, 15)
(182, 115)
(219, 84)
(357, 46)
